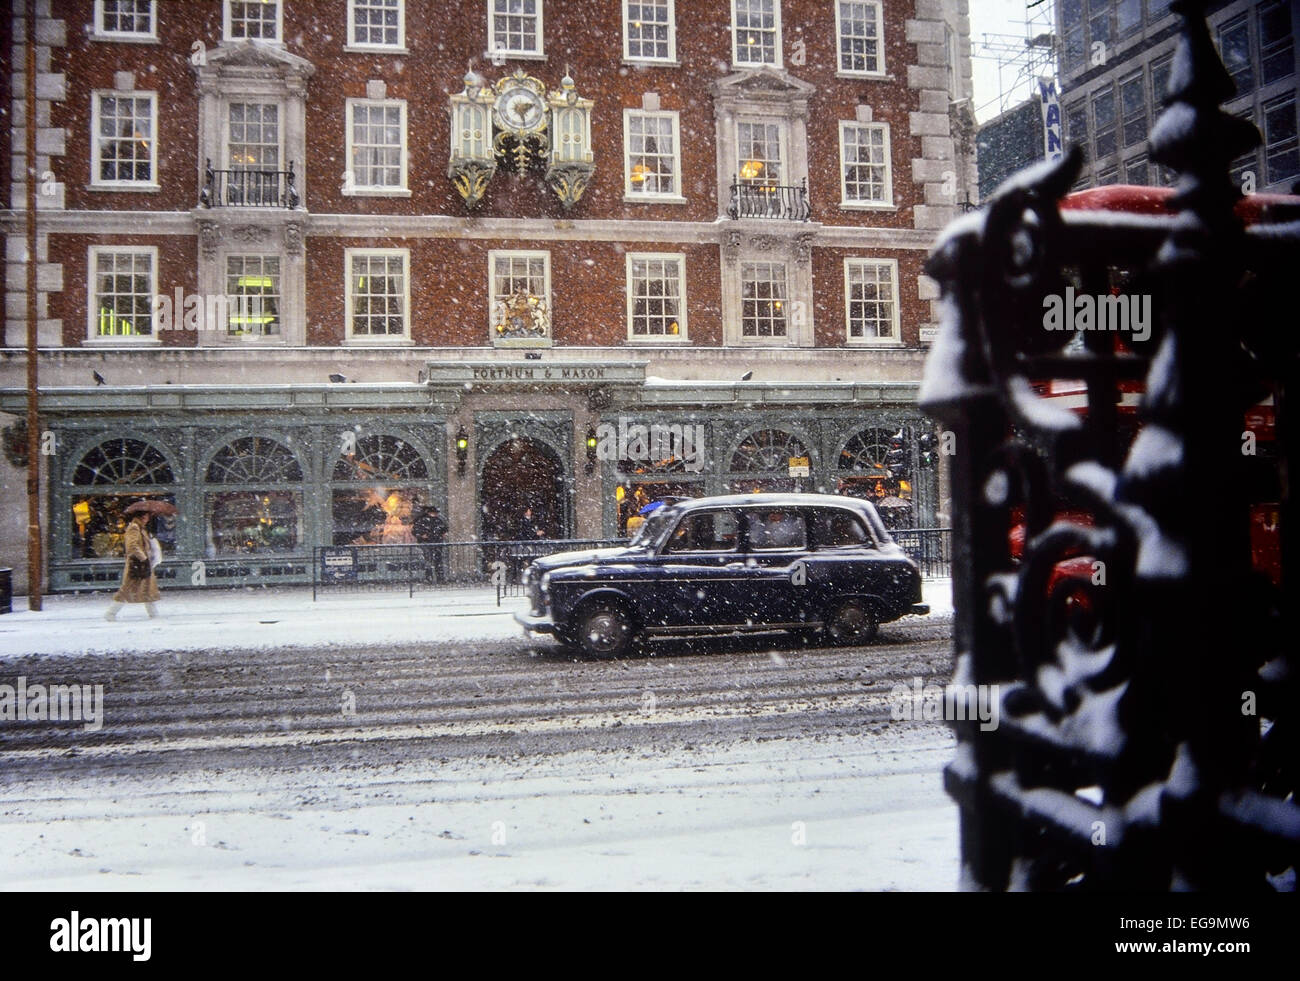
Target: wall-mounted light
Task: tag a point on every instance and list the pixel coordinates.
(462, 451)
(592, 443)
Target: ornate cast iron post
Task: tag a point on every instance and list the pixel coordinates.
(1147, 736)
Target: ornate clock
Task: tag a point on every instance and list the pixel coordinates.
(520, 108)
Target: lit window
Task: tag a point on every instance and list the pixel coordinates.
(515, 26)
(864, 164)
(125, 19)
(756, 32)
(871, 298)
(759, 153)
(378, 294)
(253, 295)
(110, 478)
(124, 149)
(123, 283)
(764, 299)
(652, 158)
(859, 29)
(376, 146)
(254, 20)
(376, 24)
(649, 30)
(655, 297)
(258, 514)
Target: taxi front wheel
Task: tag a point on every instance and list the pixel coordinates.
(605, 630)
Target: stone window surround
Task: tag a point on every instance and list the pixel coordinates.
(375, 340)
(370, 47)
(672, 38)
(95, 183)
(897, 339)
(678, 258)
(93, 339)
(631, 195)
(739, 65)
(354, 189)
(129, 37)
(228, 38)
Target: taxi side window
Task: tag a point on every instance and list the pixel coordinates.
(839, 529)
(705, 531)
(775, 528)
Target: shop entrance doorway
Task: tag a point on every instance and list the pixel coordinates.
(522, 474)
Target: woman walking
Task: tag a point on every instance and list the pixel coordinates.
(138, 582)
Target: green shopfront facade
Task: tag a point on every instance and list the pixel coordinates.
(262, 474)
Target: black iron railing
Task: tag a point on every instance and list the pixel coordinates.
(248, 188)
(931, 548)
(769, 201)
(1145, 673)
(432, 566)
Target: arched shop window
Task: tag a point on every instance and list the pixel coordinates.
(249, 508)
(377, 487)
(764, 460)
(659, 462)
(108, 479)
(874, 465)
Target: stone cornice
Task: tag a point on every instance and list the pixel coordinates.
(443, 226)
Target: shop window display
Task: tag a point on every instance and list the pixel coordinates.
(261, 514)
(378, 510)
(105, 483)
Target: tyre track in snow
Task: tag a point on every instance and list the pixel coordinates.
(182, 713)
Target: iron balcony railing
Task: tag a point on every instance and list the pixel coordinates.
(770, 201)
(241, 187)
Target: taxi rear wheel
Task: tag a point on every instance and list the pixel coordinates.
(851, 621)
(605, 630)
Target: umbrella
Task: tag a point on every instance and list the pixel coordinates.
(892, 502)
(652, 506)
(151, 507)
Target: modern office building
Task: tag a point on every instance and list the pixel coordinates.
(303, 264)
(1116, 56)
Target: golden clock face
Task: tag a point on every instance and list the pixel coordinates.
(520, 108)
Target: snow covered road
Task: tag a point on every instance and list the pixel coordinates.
(485, 764)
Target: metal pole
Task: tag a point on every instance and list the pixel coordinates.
(33, 421)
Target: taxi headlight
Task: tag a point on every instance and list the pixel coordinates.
(546, 581)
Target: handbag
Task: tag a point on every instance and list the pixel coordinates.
(137, 568)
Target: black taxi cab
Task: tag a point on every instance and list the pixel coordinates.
(808, 563)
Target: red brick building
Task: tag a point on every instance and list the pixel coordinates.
(508, 222)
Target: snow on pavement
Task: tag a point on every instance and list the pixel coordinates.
(260, 619)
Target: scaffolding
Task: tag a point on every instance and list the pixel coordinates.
(1021, 58)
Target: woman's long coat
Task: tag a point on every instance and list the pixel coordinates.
(137, 590)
